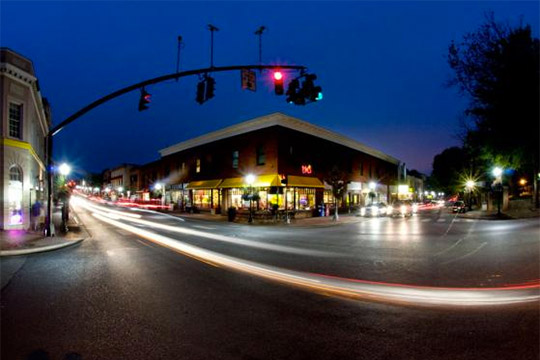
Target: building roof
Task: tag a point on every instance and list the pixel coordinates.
(276, 119)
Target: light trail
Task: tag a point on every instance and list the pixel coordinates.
(348, 288)
(203, 234)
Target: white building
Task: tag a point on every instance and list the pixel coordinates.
(25, 122)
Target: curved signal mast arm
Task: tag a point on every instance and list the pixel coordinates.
(159, 79)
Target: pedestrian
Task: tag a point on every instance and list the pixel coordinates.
(36, 213)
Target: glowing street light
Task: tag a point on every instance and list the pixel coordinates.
(158, 186)
(64, 169)
(120, 189)
(470, 184)
(497, 171)
(372, 185)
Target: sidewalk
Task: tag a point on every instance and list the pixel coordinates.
(505, 215)
(21, 242)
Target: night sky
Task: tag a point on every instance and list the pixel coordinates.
(382, 66)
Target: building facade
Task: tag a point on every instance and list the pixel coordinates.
(26, 120)
(277, 161)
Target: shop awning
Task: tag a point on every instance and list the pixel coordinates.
(260, 181)
(304, 181)
(204, 184)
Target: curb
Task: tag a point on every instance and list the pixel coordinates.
(40, 249)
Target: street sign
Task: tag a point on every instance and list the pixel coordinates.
(249, 80)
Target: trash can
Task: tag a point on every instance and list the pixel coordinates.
(231, 214)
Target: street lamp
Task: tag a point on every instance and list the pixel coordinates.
(497, 173)
(158, 187)
(64, 169)
(250, 179)
(470, 184)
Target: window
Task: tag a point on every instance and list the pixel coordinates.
(15, 173)
(261, 158)
(183, 167)
(15, 120)
(370, 171)
(361, 169)
(198, 167)
(235, 155)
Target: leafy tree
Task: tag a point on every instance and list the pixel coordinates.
(336, 178)
(450, 167)
(497, 67)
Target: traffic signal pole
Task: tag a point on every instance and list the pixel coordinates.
(56, 129)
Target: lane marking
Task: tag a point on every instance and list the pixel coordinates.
(441, 220)
(450, 248)
(466, 255)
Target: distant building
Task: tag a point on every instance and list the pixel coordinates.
(289, 158)
(26, 120)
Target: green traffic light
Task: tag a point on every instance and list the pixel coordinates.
(319, 96)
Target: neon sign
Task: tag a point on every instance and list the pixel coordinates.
(306, 169)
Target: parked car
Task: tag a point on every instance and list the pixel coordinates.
(377, 209)
(459, 207)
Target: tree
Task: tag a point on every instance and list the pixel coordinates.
(450, 167)
(336, 178)
(497, 67)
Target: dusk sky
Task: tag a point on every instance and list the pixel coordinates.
(382, 66)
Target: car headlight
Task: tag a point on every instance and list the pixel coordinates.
(389, 210)
(403, 209)
(415, 208)
(363, 211)
(375, 210)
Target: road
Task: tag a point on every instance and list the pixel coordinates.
(151, 286)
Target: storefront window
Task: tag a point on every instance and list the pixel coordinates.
(305, 199)
(201, 198)
(15, 193)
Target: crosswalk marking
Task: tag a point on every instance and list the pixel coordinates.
(441, 220)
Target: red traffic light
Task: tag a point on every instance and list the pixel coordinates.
(278, 82)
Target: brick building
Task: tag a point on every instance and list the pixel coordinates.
(289, 159)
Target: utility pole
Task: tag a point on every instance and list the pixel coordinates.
(178, 55)
(212, 28)
(259, 33)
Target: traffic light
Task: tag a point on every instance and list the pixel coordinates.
(210, 87)
(294, 95)
(309, 90)
(200, 92)
(145, 99)
(278, 82)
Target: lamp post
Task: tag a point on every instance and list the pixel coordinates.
(372, 187)
(64, 170)
(250, 179)
(470, 184)
(497, 173)
(158, 187)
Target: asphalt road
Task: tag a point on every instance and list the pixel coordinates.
(122, 296)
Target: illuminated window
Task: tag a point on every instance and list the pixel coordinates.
(261, 157)
(198, 167)
(15, 120)
(235, 156)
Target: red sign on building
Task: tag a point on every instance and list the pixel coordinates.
(306, 169)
